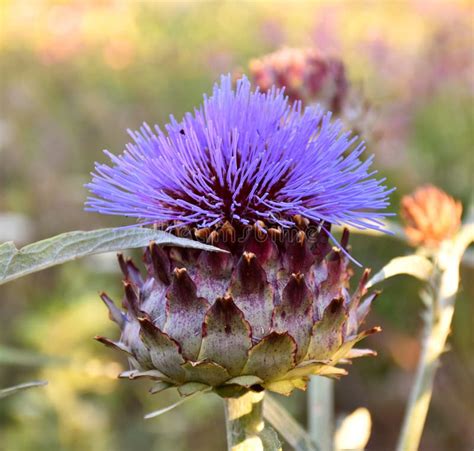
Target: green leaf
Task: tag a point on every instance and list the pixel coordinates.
(4, 392)
(68, 246)
(412, 265)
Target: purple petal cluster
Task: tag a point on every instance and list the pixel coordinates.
(243, 156)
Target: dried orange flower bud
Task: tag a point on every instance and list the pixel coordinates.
(431, 216)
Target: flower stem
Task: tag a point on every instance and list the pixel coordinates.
(439, 297)
(321, 412)
(246, 429)
(436, 333)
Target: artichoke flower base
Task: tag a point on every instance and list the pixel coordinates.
(272, 311)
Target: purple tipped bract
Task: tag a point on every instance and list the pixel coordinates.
(243, 156)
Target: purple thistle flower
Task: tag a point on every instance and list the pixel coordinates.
(276, 308)
(243, 156)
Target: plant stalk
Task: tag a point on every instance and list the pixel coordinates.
(439, 297)
(321, 412)
(245, 427)
(436, 333)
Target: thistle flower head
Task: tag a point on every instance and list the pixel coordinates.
(306, 74)
(431, 216)
(242, 157)
(263, 179)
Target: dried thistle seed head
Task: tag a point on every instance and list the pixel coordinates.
(431, 216)
(267, 316)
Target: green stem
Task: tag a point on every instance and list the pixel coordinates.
(245, 427)
(439, 297)
(321, 412)
(436, 333)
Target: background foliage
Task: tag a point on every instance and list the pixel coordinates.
(76, 74)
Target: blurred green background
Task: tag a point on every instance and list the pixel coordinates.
(75, 75)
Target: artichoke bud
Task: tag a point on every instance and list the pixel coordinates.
(265, 315)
